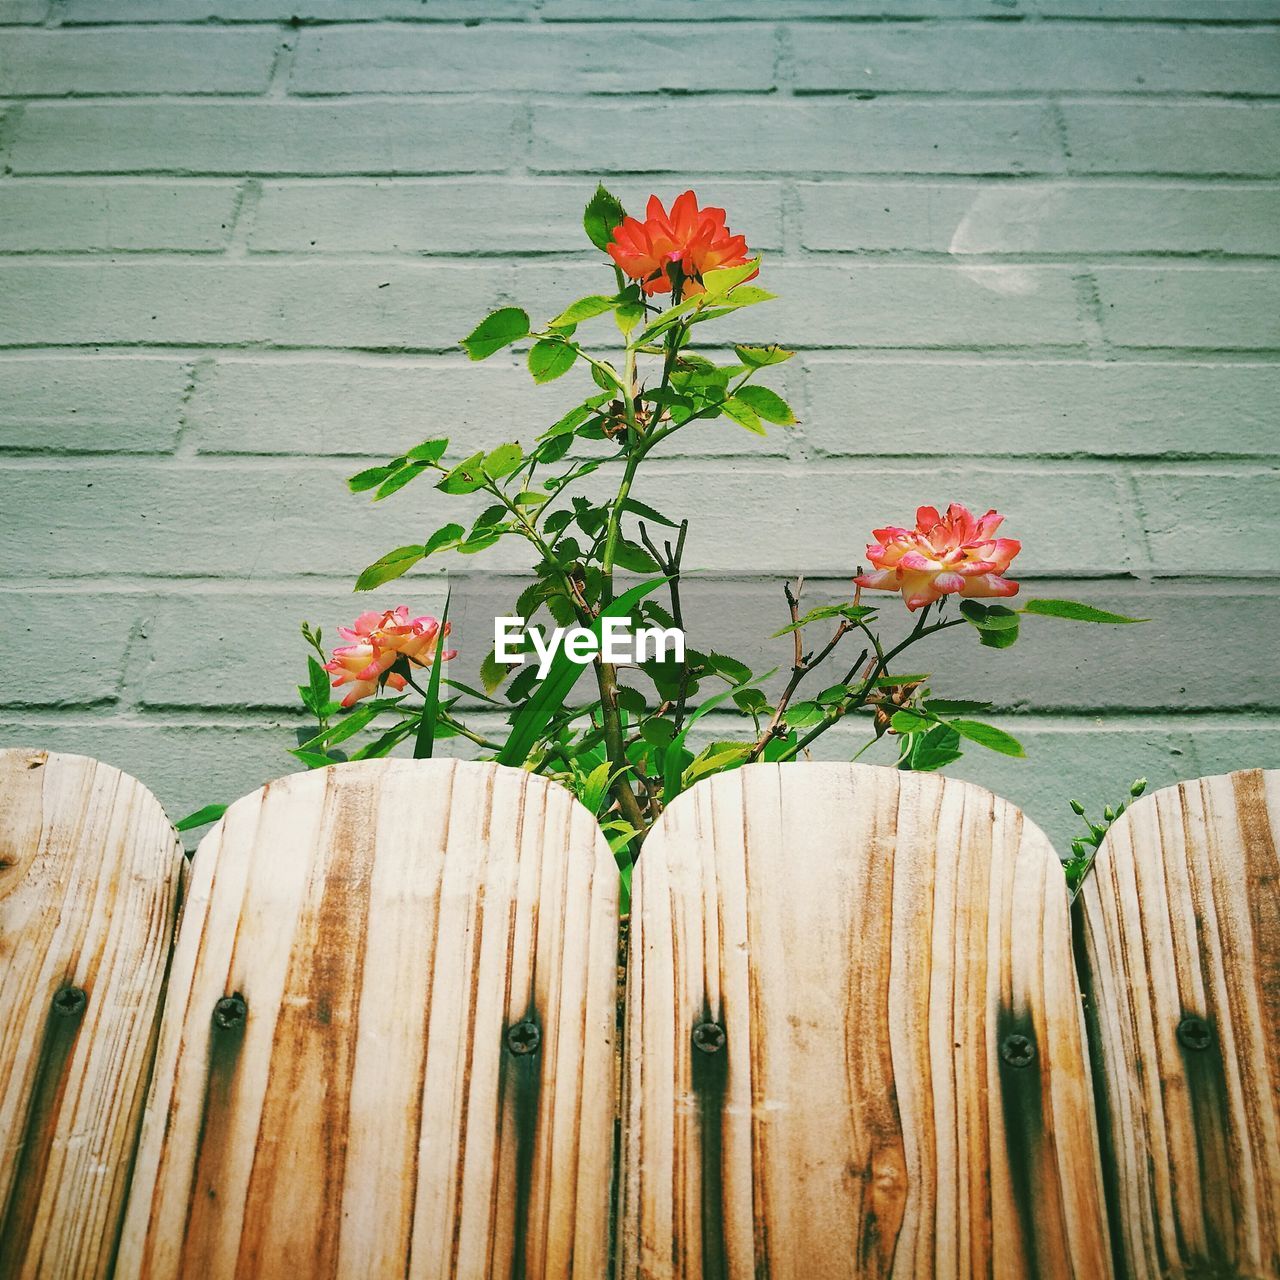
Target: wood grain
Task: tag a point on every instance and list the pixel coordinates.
(1181, 921)
(89, 875)
(385, 924)
(868, 940)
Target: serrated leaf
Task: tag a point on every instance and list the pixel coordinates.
(631, 555)
(493, 672)
(646, 512)
(1075, 612)
(594, 304)
(391, 566)
(743, 414)
(503, 460)
(398, 480)
(466, 477)
(908, 721)
(550, 359)
(604, 211)
(428, 451)
(495, 331)
(718, 283)
(987, 735)
(369, 479)
(759, 357)
(767, 404)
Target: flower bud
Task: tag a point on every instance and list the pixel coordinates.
(1138, 787)
(1077, 808)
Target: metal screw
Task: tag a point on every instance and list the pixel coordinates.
(1017, 1051)
(524, 1037)
(709, 1037)
(1195, 1033)
(70, 1002)
(230, 1012)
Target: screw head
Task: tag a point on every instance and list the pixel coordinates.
(524, 1037)
(1017, 1050)
(708, 1037)
(69, 1002)
(230, 1012)
(1195, 1033)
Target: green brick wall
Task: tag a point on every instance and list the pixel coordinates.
(1028, 248)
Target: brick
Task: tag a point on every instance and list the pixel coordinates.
(881, 305)
(1167, 10)
(719, 10)
(91, 403)
(43, 63)
(1173, 137)
(221, 519)
(211, 519)
(588, 59)
(23, 11)
(265, 137)
(1237, 744)
(336, 407)
(804, 136)
(393, 304)
(91, 636)
(480, 216)
(982, 57)
(1229, 307)
(1040, 218)
(123, 11)
(871, 408)
(1204, 522)
(1056, 666)
(42, 215)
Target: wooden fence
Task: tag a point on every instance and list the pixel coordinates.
(861, 1032)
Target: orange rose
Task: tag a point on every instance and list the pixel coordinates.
(943, 555)
(693, 240)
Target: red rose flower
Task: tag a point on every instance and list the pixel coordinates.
(690, 239)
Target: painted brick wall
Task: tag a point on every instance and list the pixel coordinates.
(1029, 249)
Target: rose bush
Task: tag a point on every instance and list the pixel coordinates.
(626, 749)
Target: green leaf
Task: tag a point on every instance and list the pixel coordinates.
(496, 331)
(759, 357)
(397, 480)
(993, 617)
(802, 714)
(594, 304)
(743, 414)
(550, 359)
(628, 315)
(768, 404)
(648, 513)
(603, 212)
(1075, 612)
(466, 477)
(536, 714)
(908, 721)
(925, 752)
(428, 451)
(718, 283)
(954, 706)
(347, 727)
(425, 742)
(631, 555)
(719, 757)
(502, 461)
(210, 813)
(493, 672)
(312, 759)
(737, 672)
(370, 479)
(391, 566)
(747, 295)
(989, 736)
